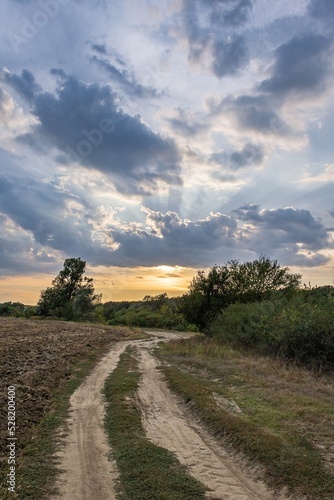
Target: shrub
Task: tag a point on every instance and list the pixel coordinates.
(300, 329)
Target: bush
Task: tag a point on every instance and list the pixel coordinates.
(300, 329)
(13, 309)
(145, 314)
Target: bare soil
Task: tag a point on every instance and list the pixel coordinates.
(37, 357)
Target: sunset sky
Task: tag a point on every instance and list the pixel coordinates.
(154, 138)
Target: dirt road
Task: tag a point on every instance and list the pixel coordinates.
(87, 472)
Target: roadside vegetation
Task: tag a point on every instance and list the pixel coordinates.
(299, 329)
(146, 470)
(278, 416)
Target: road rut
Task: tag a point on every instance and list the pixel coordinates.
(88, 474)
(167, 426)
(83, 457)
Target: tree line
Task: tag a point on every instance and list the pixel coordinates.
(256, 305)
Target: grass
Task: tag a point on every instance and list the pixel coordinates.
(146, 471)
(37, 467)
(286, 411)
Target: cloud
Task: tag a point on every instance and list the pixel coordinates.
(323, 9)
(293, 235)
(20, 254)
(12, 119)
(37, 207)
(125, 79)
(255, 113)
(232, 13)
(198, 36)
(100, 48)
(53, 221)
(301, 65)
(83, 122)
(25, 84)
(185, 122)
(251, 154)
(230, 56)
(203, 22)
(169, 240)
(47, 223)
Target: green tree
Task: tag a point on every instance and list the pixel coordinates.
(208, 294)
(211, 292)
(253, 281)
(71, 295)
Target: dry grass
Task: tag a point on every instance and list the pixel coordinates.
(290, 404)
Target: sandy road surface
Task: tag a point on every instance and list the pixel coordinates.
(167, 426)
(89, 475)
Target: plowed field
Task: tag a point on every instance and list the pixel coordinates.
(37, 357)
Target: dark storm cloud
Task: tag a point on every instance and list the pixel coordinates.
(125, 79)
(25, 84)
(323, 9)
(291, 234)
(251, 154)
(253, 113)
(301, 65)
(230, 56)
(84, 122)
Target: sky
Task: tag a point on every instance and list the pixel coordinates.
(155, 138)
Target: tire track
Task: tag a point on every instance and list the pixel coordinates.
(87, 472)
(167, 426)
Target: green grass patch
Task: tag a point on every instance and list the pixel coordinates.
(280, 412)
(147, 471)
